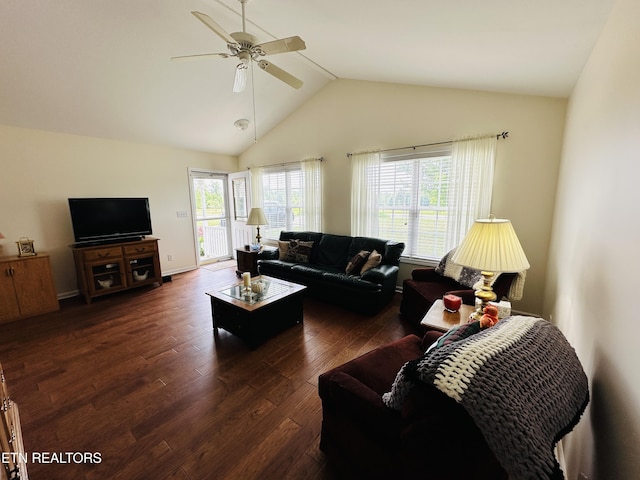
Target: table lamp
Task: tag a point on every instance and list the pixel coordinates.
(491, 246)
(257, 218)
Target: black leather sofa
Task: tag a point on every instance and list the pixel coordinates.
(325, 273)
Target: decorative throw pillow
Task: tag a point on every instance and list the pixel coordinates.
(283, 248)
(374, 260)
(356, 263)
(299, 251)
(465, 276)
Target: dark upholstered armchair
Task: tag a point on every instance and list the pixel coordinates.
(426, 286)
(433, 437)
(455, 413)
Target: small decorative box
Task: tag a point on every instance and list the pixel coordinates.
(504, 308)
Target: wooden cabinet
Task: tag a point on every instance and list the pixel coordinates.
(111, 268)
(247, 261)
(26, 287)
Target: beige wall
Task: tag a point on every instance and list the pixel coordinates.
(595, 259)
(40, 170)
(348, 116)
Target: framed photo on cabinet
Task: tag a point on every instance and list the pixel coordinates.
(25, 247)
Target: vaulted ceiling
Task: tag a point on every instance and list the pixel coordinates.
(102, 67)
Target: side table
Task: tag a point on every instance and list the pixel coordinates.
(437, 318)
(247, 261)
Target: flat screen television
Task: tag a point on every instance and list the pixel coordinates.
(100, 220)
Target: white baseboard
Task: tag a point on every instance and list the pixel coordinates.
(179, 270)
(72, 293)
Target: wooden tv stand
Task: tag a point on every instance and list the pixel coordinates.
(113, 267)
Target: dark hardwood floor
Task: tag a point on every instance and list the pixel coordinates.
(140, 379)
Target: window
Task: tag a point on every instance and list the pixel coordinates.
(412, 202)
(282, 199)
(291, 196)
(427, 198)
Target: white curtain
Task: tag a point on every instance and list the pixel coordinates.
(470, 186)
(312, 177)
(256, 187)
(365, 183)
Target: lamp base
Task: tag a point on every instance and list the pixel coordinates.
(485, 294)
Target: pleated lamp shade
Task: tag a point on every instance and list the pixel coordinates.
(492, 245)
(257, 217)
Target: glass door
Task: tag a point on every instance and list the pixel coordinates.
(211, 216)
(241, 233)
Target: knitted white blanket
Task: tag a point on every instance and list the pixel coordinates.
(520, 381)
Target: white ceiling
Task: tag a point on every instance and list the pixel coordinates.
(101, 67)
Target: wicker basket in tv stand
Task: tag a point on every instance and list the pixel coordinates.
(113, 267)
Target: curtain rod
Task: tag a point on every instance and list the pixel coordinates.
(286, 163)
(501, 134)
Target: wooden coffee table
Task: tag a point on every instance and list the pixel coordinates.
(437, 318)
(258, 316)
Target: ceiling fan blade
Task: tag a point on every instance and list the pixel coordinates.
(198, 56)
(280, 74)
(217, 29)
(290, 44)
(240, 80)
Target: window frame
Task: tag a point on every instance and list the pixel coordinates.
(414, 209)
(289, 208)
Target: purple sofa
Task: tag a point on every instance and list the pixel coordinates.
(433, 437)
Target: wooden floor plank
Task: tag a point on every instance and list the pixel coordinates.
(141, 379)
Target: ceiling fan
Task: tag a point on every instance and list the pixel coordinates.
(243, 46)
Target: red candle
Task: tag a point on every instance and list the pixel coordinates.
(452, 302)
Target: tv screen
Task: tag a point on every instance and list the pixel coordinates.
(104, 219)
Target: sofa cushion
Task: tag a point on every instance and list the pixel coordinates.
(305, 237)
(348, 280)
(311, 270)
(275, 267)
(299, 251)
(334, 250)
(392, 253)
(374, 260)
(378, 368)
(366, 243)
(357, 261)
(283, 248)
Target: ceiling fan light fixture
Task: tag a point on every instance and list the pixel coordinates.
(242, 124)
(240, 80)
(245, 47)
